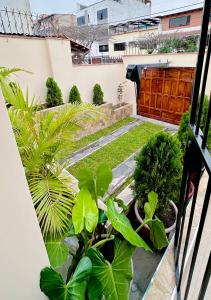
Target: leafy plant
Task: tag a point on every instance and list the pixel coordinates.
(94, 229)
(44, 140)
(184, 132)
(74, 96)
(53, 285)
(97, 95)
(159, 169)
(54, 94)
(111, 279)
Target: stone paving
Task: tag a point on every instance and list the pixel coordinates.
(103, 141)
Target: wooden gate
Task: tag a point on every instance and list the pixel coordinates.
(165, 93)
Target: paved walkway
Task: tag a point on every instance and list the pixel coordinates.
(103, 141)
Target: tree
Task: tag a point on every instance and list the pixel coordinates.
(98, 95)
(54, 94)
(74, 96)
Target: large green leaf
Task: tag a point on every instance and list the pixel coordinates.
(103, 179)
(111, 280)
(150, 206)
(85, 212)
(57, 252)
(53, 285)
(98, 183)
(121, 223)
(158, 234)
(157, 229)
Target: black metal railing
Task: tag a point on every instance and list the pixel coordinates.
(196, 153)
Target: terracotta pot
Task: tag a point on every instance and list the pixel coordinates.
(191, 191)
(167, 230)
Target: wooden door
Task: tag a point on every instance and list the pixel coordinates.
(165, 94)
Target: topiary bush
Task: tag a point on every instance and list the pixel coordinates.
(98, 95)
(184, 133)
(74, 96)
(54, 94)
(159, 169)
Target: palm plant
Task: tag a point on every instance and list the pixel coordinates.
(43, 140)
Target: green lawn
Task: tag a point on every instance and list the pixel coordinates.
(119, 150)
(95, 136)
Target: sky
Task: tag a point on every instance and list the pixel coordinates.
(67, 6)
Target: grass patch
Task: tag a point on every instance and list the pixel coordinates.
(84, 141)
(119, 150)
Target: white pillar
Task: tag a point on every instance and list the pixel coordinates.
(22, 250)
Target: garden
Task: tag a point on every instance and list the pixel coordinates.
(94, 239)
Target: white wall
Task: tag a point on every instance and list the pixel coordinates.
(22, 250)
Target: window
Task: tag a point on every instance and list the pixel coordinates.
(119, 47)
(180, 21)
(81, 20)
(103, 48)
(102, 14)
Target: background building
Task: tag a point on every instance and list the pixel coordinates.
(110, 12)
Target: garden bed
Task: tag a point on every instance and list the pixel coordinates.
(119, 150)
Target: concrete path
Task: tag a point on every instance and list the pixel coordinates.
(103, 141)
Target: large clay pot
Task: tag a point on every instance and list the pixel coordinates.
(167, 230)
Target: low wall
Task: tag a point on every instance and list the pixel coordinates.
(109, 116)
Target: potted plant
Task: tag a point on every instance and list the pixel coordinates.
(100, 242)
(159, 169)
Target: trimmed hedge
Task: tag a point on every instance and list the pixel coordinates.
(54, 94)
(74, 96)
(98, 95)
(159, 169)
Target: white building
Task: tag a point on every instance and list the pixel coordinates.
(15, 16)
(111, 12)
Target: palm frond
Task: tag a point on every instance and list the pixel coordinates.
(52, 200)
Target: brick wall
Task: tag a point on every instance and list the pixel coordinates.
(195, 20)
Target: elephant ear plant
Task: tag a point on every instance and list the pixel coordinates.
(96, 252)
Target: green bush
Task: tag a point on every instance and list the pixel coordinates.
(54, 94)
(159, 169)
(97, 95)
(184, 132)
(74, 96)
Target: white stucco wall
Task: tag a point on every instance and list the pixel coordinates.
(22, 251)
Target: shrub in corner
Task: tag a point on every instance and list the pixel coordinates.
(54, 94)
(159, 169)
(98, 95)
(74, 96)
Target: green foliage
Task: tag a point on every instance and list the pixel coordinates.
(85, 212)
(53, 285)
(97, 95)
(185, 44)
(157, 229)
(54, 94)
(97, 183)
(43, 141)
(111, 280)
(74, 96)
(184, 132)
(159, 169)
(57, 252)
(121, 223)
